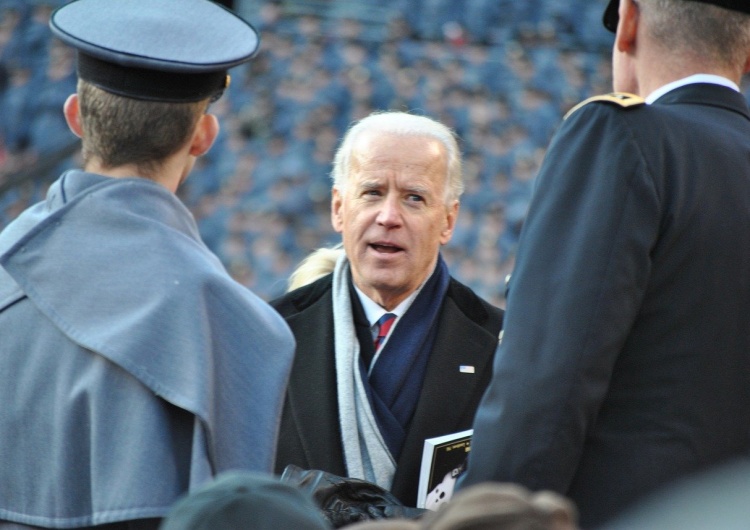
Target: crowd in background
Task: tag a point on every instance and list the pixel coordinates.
(501, 73)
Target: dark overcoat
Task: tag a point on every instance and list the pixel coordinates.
(310, 435)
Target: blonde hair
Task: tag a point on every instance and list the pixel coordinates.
(316, 265)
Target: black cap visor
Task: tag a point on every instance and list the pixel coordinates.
(150, 85)
(611, 16)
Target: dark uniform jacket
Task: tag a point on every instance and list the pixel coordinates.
(310, 435)
(625, 361)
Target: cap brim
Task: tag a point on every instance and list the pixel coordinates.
(611, 15)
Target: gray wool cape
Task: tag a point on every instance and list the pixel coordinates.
(134, 368)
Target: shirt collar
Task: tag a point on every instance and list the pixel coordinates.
(373, 311)
(697, 78)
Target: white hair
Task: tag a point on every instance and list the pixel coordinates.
(401, 123)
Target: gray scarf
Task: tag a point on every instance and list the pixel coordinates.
(365, 452)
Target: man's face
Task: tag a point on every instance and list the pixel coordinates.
(392, 213)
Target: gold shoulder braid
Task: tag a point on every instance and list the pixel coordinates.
(623, 99)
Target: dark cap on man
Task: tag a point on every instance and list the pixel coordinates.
(611, 16)
(156, 50)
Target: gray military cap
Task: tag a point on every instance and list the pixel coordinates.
(157, 50)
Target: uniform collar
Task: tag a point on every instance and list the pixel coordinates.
(697, 78)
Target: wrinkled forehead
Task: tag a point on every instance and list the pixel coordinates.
(378, 150)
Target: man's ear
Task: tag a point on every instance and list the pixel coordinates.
(336, 202)
(206, 131)
(627, 28)
(72, 114)
(451, 216)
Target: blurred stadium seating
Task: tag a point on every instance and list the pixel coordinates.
(502, 73)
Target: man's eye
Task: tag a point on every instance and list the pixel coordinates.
(413, 197)
(371, 193)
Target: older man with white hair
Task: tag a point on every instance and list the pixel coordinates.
(390, 349)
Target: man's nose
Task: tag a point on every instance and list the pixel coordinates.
(390, 212)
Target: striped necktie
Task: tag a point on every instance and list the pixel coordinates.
(384, 324)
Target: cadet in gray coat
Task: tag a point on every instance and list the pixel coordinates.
(134, 368)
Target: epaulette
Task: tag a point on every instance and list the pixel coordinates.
(622, 99)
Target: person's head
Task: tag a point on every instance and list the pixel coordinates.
(693, 36)
(316, 265)
(147, 73)
(396, 187)
(244, 499)
(119, 131)
(490, 506)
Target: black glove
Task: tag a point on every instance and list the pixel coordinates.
(348, 500)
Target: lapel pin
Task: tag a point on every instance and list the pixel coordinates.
(466, 369)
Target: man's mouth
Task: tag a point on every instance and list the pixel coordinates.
(386, 248)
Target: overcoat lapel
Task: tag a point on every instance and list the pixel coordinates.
(449, 397)
(312, 389)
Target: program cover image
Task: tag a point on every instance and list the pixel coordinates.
(443, 461)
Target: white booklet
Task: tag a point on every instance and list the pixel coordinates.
(443, 460)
